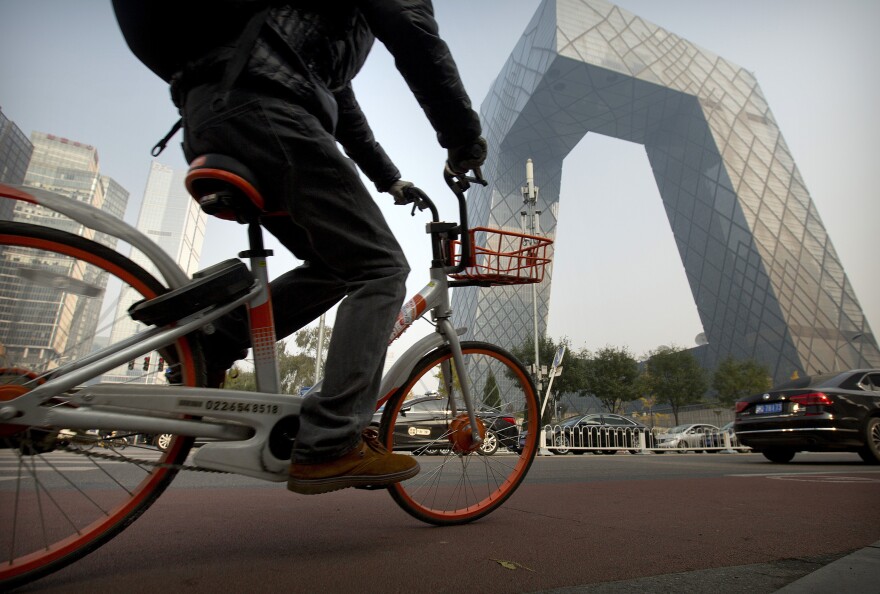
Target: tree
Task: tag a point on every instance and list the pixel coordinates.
(737, 379)
(571, 380)
(611, 375)
(674, 377)
(491, 395)
(306, 340)
(295, 370)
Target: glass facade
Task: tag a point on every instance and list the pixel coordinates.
(15, 154)
(766, 280)
(55, 310)
(173, 220)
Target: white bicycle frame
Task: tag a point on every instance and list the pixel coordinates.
(241, 421)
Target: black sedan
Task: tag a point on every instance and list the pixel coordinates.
(832, 412)
(423, 427)
(603, 433)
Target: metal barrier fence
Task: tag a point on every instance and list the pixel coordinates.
(558, 439)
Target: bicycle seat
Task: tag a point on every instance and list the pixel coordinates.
(225, 188)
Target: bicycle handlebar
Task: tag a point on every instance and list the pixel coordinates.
(459, 183)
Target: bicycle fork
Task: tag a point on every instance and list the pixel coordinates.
(448, 331)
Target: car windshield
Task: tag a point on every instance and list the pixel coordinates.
(679, 429)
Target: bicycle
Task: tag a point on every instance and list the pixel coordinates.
(52, 517)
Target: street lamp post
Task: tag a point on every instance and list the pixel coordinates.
(531, 224)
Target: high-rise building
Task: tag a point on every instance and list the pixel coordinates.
(40, 322)
(172, 219)
(15, 154)
(767, 282)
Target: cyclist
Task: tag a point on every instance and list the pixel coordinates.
(276, 95)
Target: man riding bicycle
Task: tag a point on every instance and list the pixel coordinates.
(272, 89)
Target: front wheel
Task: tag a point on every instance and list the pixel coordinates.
(465, 484)
(63, 497)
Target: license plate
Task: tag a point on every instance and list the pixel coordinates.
(764, 409)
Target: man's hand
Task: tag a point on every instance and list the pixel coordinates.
(469, 156)
(398, 190)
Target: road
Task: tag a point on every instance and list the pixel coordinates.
(729, 521)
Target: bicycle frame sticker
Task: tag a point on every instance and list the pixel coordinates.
(411, 311)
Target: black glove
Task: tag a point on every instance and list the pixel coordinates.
(468, 156)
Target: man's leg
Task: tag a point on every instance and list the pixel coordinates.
(335, 227)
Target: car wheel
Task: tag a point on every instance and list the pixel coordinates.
(682, 448)
(779, 455)
(163, 441)
(871, 452)
(490, 443)
(560, 443)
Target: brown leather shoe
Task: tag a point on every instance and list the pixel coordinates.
(369, 464)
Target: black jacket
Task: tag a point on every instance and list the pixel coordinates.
(310, 50)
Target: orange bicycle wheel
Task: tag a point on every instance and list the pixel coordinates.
(461, 481)
(61, 497)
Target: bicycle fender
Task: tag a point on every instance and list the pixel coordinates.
(399, 372)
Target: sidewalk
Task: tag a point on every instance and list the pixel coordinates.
(857, 572)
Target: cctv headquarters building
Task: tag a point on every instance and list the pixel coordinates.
(765, 278)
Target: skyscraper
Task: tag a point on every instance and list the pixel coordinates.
(15, 154)
(171, 218)
(38, 321)
(766, 280)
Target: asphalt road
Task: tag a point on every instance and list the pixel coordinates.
(624, 523)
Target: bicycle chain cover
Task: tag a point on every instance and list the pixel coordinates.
(503, 257)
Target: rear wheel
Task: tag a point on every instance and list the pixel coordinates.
(63, 497)
(490, 443)
(871, 452)
(464, 485)
(779, 455)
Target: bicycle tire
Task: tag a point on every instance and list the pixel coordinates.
(462, 486)
(58, 512)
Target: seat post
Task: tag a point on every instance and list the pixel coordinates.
(260, 315)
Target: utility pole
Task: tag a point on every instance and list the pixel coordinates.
(319, 356)
(531, 225)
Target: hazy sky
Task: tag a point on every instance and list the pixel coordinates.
(618, 279)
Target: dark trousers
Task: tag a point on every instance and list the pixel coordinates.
(335, 228)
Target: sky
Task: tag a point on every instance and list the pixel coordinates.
(617, 279)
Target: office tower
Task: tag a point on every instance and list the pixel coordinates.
(767, 282)
(40, 322)
(15, 153)
(172, 219)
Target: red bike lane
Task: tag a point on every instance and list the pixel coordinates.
(548, 535)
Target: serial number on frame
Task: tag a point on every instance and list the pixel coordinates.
(245, 407)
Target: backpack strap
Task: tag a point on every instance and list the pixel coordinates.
(233, 70)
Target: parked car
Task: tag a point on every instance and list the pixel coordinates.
(734, 442)
(424, 421)
(830, 412)
(695, 436)
(601, 433)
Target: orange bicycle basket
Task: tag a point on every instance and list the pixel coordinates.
(503, 257)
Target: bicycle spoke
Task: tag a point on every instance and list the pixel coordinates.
(472, 479)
